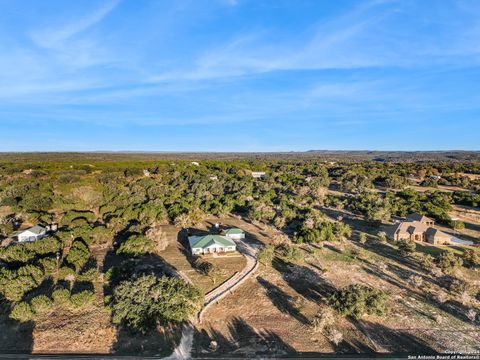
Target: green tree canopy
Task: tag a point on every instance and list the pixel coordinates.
(143, 302)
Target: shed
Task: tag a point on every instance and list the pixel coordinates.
(32, 234)
(235, 233)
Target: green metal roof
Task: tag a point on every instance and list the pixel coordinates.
(208, 240)
(234, 231)
(37, 229)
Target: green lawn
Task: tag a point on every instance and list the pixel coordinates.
(438, 249)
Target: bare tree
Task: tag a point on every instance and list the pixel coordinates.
(158, 236)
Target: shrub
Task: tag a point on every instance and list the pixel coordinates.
(91, 274)
(101, 234)
(292, 253)
(78, 255)
(335, 336)
(323, 319)
(459, 286)
(342, 230)
(472, 258)
(406, 247)
(209, 269)
(448, 262)
(25, 252)
(48, 245)
(159, 236)
(458, 225)
(61, 297)
(82, 298)
(15, 289)
(427, 261)
(65, 272)
(31, 270)
(107, 300)
(357, 300)
(362, 238)
(41, 304)
(266, 254)
(136, 245)
(72, 215)
(382, 236)
(22, 312)
(48, 264)
(117, 274)
(326, 231)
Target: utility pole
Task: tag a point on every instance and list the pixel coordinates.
(58, 265)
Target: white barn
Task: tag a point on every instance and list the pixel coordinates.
(258, 174)
(32, 234)
(235, 233)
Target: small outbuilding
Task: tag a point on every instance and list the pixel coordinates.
(207, 244)
(235, 233)
(34, 233)
(259, 174)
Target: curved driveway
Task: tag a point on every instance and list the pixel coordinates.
(183, 350)
(228, 286)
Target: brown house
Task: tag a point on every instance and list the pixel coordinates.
(421, 218)
(418, 228)
(437, 237)
(407, 230)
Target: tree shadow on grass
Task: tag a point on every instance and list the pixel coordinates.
(282, 301)
(471, 226)
(304, 280)
(352, 345)
(15, 337)
(45, 288)
(80, 286)
(393, 341)
(184, 246)
(370, 338)
(241, 340)
(158, 342)
(452, 307)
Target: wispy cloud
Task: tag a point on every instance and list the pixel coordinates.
(363, 37)
(206, 64)
(59, 53)
(325, 45)
(53, 37)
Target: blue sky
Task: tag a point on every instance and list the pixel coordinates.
(239, 75)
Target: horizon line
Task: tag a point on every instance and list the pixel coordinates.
(222, 152)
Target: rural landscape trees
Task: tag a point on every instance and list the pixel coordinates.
(310, 221)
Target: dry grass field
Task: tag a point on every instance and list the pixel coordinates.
(281, 301)
(283, 308)
(275, 310)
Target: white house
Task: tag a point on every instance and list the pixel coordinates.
(258, 174)
(235, 233)
(32, 234)
(210, 244)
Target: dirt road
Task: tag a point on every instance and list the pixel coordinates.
(183, 350)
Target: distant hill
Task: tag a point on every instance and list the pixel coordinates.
(320, 155)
